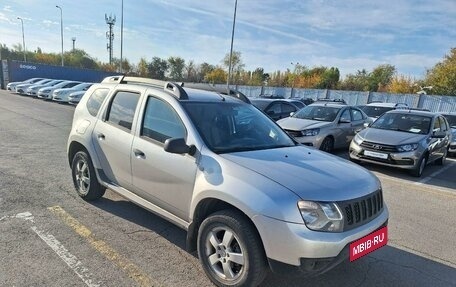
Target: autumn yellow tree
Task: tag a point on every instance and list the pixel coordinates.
(401, 84)
(216, 76)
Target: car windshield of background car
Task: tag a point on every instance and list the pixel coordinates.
(318, 113)
(375, 112)
(235, 127)
(403, 122)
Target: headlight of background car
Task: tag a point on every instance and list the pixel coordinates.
(321, 216)
(358, 139)
(407, 147)
(311, 132)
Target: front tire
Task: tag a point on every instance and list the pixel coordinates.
(230, 250)
(84, 178)
(418, 171)
(327, 145)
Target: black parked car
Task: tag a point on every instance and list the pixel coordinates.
(277, 108)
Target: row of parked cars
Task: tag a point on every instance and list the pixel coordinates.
(390, 134)
(51, 89)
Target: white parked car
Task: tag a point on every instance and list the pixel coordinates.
(22, 88)
(75, 97)
(33, 90)
(46, 93)
(61, 95)
(12, 86)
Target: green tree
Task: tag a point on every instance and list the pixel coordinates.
(381, 77)
(176, 67)
(141, 69)
(236, 64)
(157, 68)
(442, 77)
(203, 70)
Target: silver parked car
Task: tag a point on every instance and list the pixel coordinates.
(33, 90)
(407, 139)
(75, 97)
(249, 197)
(325, 126)
(375, 109)
(12, 85)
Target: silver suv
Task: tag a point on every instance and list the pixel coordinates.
(250, 198)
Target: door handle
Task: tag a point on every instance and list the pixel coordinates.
(139, 154)
(101, 136)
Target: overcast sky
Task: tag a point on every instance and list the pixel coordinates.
(411, 34)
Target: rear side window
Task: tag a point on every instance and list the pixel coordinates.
(356, 115)
(95, 101)
(161, 122)
(286, 108)
(122, 110)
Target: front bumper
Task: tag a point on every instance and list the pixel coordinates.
(403, 160)
(312, 141)
(44, 95)
(292, 244)
(452, 147)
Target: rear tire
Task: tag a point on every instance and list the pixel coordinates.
(231, 251)
(84, 178)
(418, 171)
(327, 145)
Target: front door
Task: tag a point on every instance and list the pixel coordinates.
(163, 178)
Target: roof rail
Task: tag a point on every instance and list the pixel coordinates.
(177, 90)
(219, 90)
(113, 79)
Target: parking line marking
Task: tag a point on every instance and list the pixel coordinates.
(133, 271)
(434, 174)
(72, 261)
(423, 187)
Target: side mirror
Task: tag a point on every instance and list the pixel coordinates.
(366, 125)
(177, 145)
(439, 135)
(292, 114)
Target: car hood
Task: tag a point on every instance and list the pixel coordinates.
(389, 137)
(296, 124)
(309, 173)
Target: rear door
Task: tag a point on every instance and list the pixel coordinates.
(358, 121)
(163, 178)
(113, 137)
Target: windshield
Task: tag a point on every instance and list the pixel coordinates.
(233, 127)
(451, 120)
(403, 122)
(262, 105)
(317, 113)
(374, 112)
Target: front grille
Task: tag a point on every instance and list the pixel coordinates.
(294, 133)
(378, 147)
(361, 210)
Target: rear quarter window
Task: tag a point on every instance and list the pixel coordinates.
(95, 101)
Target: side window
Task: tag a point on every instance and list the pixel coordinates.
(436, 127)
(346, 115)
(356, 115)
(287, 109)
(95, 101)
(275, 108)
(161, 122)
(122, 110)
(443, 125)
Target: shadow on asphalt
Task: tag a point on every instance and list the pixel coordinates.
(388, 266)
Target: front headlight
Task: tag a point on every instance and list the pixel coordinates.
(407, 147)
(321, 216)
(310, 132)
(358, 139)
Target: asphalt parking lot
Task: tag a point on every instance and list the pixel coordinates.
(50, 237)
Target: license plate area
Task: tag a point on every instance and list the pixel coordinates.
(376, 154)
(368, 243)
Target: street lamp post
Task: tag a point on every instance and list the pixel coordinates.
(231, 49)
(23, 39)
(61, 27)
(121, 38)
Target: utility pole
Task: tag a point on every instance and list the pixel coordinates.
(121, 39)
(61, 27)
(74, 40)
(231, 49)
(23, 39)
(110, 35)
